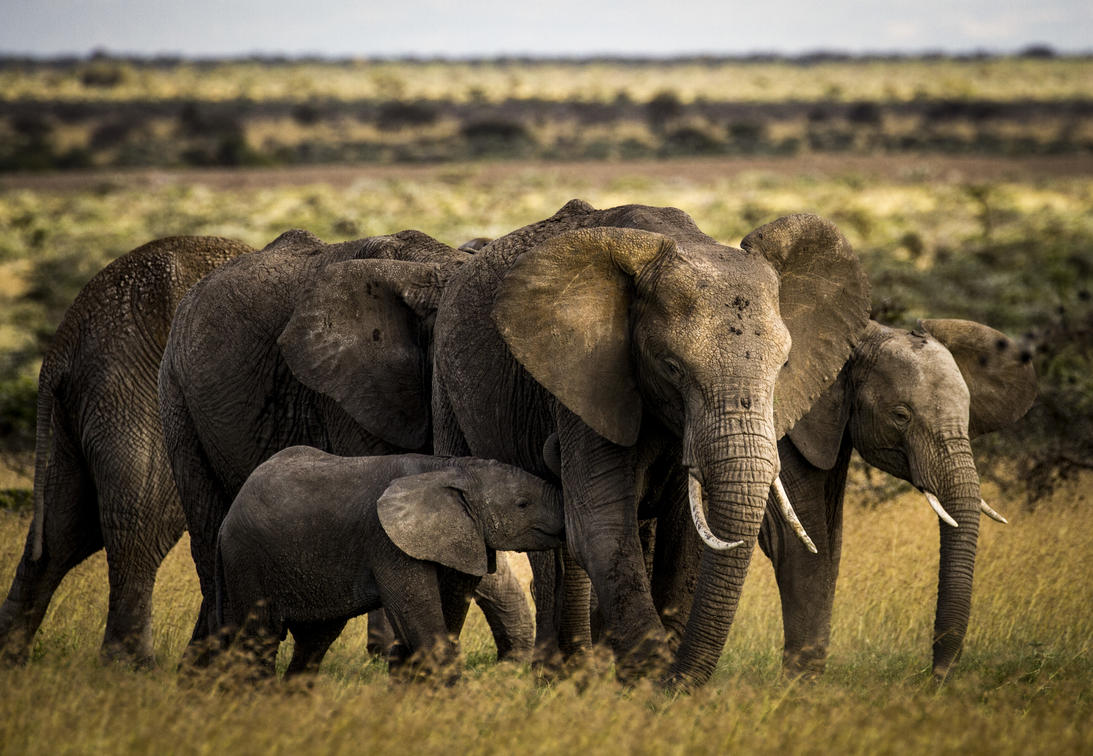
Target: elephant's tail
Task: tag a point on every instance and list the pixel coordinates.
(218, 608)
(43, 437)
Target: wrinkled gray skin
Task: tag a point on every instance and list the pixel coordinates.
(626, 331)
(101, 477)
(909, 402)
(313, 540)
(306, 343)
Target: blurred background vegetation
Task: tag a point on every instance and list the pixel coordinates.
(109, 111)
(482, 147)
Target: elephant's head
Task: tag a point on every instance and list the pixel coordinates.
(458, 515)
(645, 321)
(362, 333)
(912, 401)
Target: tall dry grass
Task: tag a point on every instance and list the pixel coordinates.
(1024, 684)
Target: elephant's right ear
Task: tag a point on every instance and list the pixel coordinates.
(563, 309)
(425, 516)
(356, 336)
(818, 435)
(999, 374)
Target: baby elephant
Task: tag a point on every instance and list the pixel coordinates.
(313, 540)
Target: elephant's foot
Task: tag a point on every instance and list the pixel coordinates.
(14, 650)
(15, 637)
(136, 654)
(650, 657)
(807, 663)
(438, 665)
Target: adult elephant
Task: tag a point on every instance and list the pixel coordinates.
(625, 331)
(101, 476)
(909, 402)
(305, 343)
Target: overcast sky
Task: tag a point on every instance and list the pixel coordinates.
(562, 27)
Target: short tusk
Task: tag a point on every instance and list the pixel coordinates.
(936, 506)
(791, 516)
(694, 493)
(985, 508)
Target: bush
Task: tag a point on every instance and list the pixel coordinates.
(495, 136)
(689, 140)
(18, 410)
(396, 114)
(663, 107)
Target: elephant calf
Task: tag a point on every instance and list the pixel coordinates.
(313, 540)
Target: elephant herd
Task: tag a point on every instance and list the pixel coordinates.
(655, 401)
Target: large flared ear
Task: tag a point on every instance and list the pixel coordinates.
(425, 516)
(818, 435)
(999, 373)
(563, 308)
(356, 335)
(824, 301)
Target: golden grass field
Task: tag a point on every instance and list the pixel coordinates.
(494, 81)
(1024, 685)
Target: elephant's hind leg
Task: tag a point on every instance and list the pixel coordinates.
(70, 534)
(141, 520)
(313, 639)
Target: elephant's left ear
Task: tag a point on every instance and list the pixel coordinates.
(999, 373)
(356, 335)
(425, 515)
(824, 301)
(818, 435)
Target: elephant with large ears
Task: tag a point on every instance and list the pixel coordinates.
(101, 475)
(313, 540)
(909, 402)
(627, 331)
(302, 343)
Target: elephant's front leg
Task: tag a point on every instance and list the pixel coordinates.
(806, 581)
(411, 593)
(501, 599)
(602, 535)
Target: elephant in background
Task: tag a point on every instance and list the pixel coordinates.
(101, 475)
(909, 402)
(305, 343)
(313, 540)
(627, 332)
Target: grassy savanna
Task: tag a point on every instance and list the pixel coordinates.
(1005, 79)
(1006, 243)
(1024, 684)
(114, 112)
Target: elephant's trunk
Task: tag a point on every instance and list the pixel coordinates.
(737, 471)
(957, 485)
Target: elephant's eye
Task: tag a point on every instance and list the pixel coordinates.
(523, 503)
(672, 367)
(901, 414)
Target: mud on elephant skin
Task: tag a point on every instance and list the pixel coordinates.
(628, 331)
(313, 540)
(101, 476)
(302, 343)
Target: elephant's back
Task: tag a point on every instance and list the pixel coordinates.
(110, 341)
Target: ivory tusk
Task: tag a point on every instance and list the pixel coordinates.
(791, 516)
(985, 508)
(936, 506)
(694, 493)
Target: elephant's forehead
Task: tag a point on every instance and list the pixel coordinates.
(915, 362)
(716, 275)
